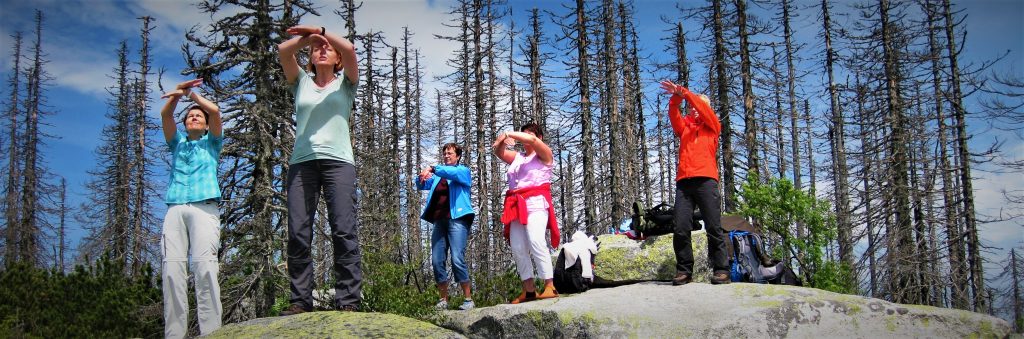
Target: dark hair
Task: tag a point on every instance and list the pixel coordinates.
(458, 149)
(206, 115)
(533, 127)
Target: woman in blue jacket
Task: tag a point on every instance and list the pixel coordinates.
(449, 209)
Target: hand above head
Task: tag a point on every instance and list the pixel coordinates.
(303, 30)
(190, 83)
(672, 88)
(509, 141)
(183, 88)
(316, 39)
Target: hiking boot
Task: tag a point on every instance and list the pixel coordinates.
(681, 279)
(294, 309)
(720, 278)
(467, 305)
(441, 305)
(522, 298)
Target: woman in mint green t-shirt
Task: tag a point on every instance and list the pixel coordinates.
(322, 160)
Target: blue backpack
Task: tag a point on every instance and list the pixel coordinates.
(747, 262)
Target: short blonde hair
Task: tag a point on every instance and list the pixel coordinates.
(705, 98)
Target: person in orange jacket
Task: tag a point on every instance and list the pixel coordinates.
(528, 210)
(696, 182)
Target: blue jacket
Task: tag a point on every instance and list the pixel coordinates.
(459, 184)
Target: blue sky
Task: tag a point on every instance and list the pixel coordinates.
(80, 37)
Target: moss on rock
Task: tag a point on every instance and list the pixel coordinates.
(620, 258)
(330, 324)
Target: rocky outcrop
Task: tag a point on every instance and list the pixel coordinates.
(333, 324)
(697, 310)
(620, 258)
(652, 310)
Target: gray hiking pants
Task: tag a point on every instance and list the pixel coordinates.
(191, 230)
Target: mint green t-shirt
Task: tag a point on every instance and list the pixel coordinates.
(321, 119)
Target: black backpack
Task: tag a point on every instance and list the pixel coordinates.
(748, 263)
(657, 220)
(570, 280)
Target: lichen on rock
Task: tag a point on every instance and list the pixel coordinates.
(332, 324)
(620, 258)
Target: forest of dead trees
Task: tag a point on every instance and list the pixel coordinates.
(879, 133)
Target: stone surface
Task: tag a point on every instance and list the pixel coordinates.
(333, 324)
(697, 310)
(620, 258)
(652, 310)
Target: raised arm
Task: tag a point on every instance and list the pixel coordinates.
(167, 112)
(674, 116)
(499, 149)
(425, 180)
(286, 54)
(458, 174)
(542, 149)
(706, 113)
(345, 49)
(214, 121)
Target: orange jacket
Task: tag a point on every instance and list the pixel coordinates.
(698, 137)
(515, 209)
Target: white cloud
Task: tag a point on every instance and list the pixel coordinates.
(80, 36)
(390, 17)
(990, 201)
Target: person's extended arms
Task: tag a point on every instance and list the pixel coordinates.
(499, 149)
(213, 122)
(286, 55)
(542, 149)
(704, 110)
(674, 116)
(424, 181)
(456, 173)
(167, 112)
(347, 51)
(342, 46)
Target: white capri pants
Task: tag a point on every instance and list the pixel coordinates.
(529, 244)
(191, 230)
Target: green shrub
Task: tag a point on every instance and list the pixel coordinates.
(778, 207)
(390, 287)
(409, 290)
(836, 277)
(95, 301)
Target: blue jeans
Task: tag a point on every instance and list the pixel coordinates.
(451, 235)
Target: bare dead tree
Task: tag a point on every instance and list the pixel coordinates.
(12, 184)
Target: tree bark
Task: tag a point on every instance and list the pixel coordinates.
(837, 138)
(901, 237)
(974, 256)
(11, 186)
(749, 115)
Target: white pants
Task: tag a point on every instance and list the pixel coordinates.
(529, 244)
(191, 230)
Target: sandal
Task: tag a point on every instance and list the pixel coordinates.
(522, 298)
(548, 293)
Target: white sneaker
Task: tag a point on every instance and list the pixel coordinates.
(467, 305)
(441, 305)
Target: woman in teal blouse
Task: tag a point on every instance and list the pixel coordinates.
(192, 224)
